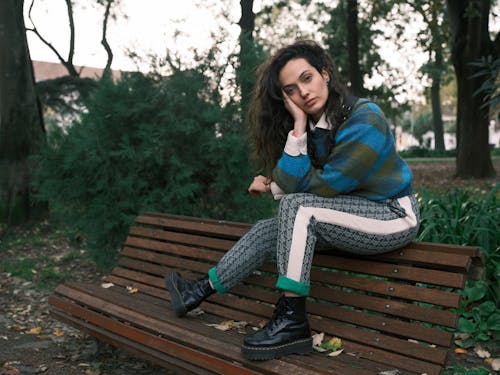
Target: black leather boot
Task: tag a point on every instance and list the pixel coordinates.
(186, 295)
(287, 332)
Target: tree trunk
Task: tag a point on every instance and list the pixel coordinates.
(21, 126)
(471, 41)
(245, 78)
(353, 47)
(437, 116)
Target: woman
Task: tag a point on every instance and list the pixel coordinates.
(332, 161)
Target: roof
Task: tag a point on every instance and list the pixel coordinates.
(45, 70)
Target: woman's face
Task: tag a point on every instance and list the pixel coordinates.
(305, 86)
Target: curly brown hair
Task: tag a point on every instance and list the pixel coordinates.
(268, 118)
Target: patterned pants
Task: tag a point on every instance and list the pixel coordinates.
(306, 222)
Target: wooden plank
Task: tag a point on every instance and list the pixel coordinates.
(393, 289)
(170, 248)
(389, 270)
(438, 260)
(183, 238)
(472, 251)
(392, 359)
(168, 260)
(214, 228)
(386, 306)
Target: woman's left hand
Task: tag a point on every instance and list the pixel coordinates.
(259, 185)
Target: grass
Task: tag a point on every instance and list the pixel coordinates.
(28, 253)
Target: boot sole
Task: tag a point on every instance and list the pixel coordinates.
(256, 353)
(175, 297)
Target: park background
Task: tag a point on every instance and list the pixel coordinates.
(109, 108)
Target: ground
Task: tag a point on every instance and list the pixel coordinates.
(32, 342)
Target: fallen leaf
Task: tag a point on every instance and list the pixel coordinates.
(392, 372)
(319, 349)
(35, 331)
(58, 333)
(132, 290)
(107, 285)
(335, 353)
(495, 364)
(333, 344)
(481, 353)
(318, 338)
(224, 326)
(413, 341)
(460, 351)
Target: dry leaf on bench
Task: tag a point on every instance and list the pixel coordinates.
(335, 353)
(224, 326)
(318, 338)
(107, 285)
(333, 344)
(132, 290)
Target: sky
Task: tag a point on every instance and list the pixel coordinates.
(146, 26)
(153, 26)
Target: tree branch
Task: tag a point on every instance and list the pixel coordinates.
(104, 40)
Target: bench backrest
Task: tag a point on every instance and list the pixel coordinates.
(395, 309)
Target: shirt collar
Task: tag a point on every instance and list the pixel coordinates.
(322, 123)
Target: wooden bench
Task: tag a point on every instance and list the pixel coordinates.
(393, 311)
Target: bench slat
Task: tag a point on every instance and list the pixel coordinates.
(390, 270)
(183, 238)
(222, 229)
(393, 289)
(169, 248)
(436, 259)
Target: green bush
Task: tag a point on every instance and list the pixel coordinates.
(469, 218)
(148, 144)
(421, 152)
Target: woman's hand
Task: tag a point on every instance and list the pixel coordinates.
(259, 185)
(299, 116)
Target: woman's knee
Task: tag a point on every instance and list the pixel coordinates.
(292, 201)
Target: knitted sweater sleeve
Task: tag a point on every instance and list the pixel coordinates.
(363, 161)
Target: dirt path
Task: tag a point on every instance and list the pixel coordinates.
(31, 342)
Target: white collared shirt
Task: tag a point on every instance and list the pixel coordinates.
(296, 146)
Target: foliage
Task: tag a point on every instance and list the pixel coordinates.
(148, 143)
(422, 152)
(480, 321)
(488, 70)
(457, 370)
(422, 124)
(463, 218)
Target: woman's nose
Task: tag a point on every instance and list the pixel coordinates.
(303, 91)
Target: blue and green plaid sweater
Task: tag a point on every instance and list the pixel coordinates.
(363, 161)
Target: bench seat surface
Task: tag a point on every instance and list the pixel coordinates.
(394, 311)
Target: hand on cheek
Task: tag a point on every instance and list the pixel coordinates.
(299, 116)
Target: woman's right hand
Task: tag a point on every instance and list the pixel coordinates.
(299, 116)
